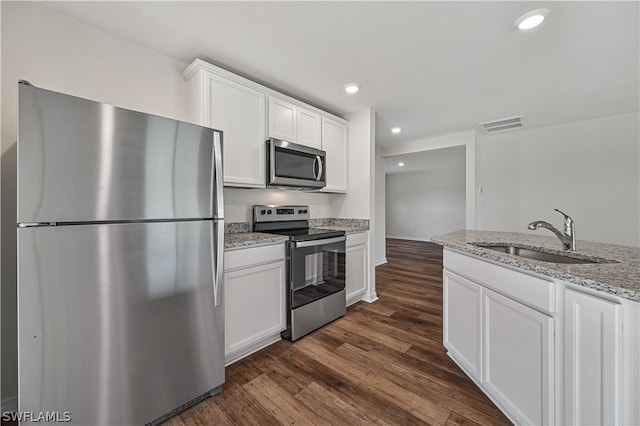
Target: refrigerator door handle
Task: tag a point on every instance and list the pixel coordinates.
(218, 176)
(217, 242)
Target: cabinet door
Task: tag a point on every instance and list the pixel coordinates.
(309, 128)
(592, 360)
(357, 270)
(239, 111)
(334, 142)
(254, 305)
(517, 349)
(282, 120)
(463, 322)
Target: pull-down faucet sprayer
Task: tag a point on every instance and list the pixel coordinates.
(568, 238)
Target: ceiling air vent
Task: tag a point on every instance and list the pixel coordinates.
(502, 124)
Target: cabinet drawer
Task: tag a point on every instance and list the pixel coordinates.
(357, 239)
(251, 256)
(529, 290)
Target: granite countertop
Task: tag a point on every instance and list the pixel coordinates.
(350, 226)
(251, 239)
(618, 275)
(238, 235)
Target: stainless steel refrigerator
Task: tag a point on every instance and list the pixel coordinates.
(120, 248)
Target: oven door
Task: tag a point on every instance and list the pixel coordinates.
(293, 165)
(317, 270)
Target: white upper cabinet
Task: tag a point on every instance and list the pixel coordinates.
(294, 123)
(249, 113)
(282, 120)
(217, 99)
(334, 143)
(309, 128)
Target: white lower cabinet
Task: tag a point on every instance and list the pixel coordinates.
(357, 266)
(255, 304)
(504, 345)
(518, 358)
(545, 351)
(463, 322)
(592, 359)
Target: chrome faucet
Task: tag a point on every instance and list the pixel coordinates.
(568, 238)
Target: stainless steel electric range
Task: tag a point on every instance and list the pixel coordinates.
(315, 267)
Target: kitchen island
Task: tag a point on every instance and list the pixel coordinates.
(549, 343)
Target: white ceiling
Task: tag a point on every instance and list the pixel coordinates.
(429, 67)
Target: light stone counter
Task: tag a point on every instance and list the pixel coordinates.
(251, 239)
(350, 226)
(237, 234)
(619, 275)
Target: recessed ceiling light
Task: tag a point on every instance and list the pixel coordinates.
(396, 130)
(531, 19)
(401, 164)
(351, 88)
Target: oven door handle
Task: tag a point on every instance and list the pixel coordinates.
(313, 243)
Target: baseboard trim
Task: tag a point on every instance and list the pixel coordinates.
(370, 297)
(254, 347)
(10, 404)
(397, 237)
(356, 297)
(381, 261)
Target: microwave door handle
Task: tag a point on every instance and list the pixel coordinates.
(317, 161)
(320, 168)
(315, 174)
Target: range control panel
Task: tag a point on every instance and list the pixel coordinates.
(280, 213)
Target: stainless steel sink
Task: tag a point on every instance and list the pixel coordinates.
(530, 253)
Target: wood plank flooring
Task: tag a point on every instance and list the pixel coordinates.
(383, 363)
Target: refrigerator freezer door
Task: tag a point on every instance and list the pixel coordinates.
(80, 160)
(117, 323)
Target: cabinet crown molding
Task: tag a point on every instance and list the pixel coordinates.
(199, 65)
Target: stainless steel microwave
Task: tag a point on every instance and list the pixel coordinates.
(295, 166)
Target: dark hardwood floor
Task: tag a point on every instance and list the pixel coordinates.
(383, 363)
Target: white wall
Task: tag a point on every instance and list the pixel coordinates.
(359, 202)
(380, 248)
(238, 202)
(589, 169)
(466, 139)
(61, 54)
(421, 205)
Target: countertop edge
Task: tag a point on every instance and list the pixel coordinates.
(237, 241)
(251, 245)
